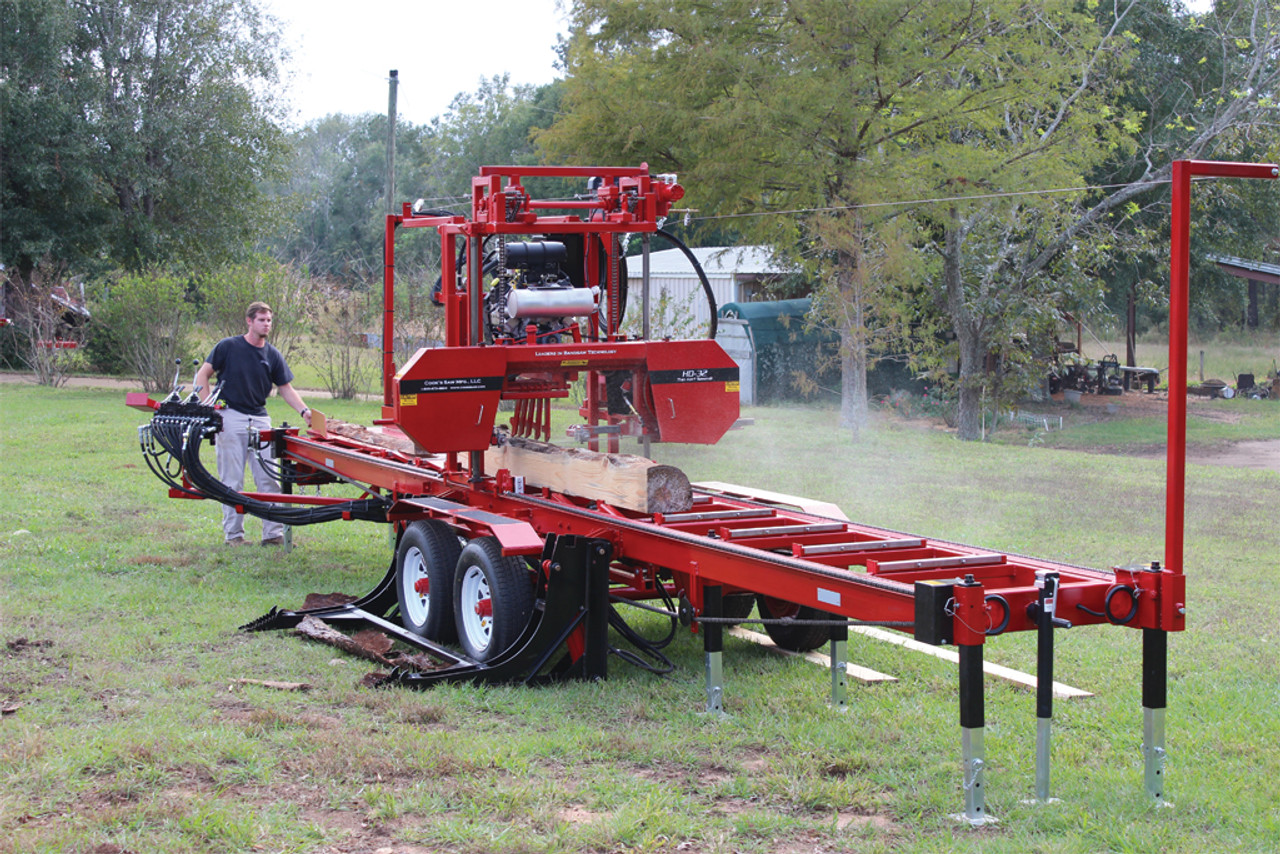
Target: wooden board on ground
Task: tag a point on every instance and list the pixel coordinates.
(1061, 691)
(866, 674)
(622, 480)
(857, 671)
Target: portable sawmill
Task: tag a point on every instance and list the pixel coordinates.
(512, 555)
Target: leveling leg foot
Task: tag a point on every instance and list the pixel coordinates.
(1155, 691)
(972, 737)
(713, 649)
(839, 668)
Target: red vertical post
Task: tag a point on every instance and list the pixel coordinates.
(1179, 261)
(389, 308)
(1179, 264)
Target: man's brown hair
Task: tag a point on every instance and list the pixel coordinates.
(255, 309)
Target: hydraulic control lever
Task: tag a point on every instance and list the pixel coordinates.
(1049, 583)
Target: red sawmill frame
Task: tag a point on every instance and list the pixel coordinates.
(942, 592)
(744, 545)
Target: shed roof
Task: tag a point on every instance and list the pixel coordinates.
(1245, 269)
(715, 261)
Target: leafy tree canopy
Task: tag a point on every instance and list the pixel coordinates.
(134, 132)
(814, 119)
(334, 203)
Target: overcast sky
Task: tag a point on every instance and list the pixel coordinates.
(343, 51)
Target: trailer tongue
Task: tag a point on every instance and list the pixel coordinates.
(502, 579)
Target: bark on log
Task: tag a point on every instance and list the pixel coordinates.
(622, 480)
(317, 630)
(324, 426)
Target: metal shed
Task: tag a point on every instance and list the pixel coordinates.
(770, 343)
(736, 274)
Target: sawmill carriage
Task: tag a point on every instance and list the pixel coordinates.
(513, 556)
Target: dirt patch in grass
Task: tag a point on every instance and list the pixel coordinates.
(1261, 454)
(576, 814)
(1133, 404)
(1249, 454)
(346, 828)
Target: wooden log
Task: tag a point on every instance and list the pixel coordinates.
(380, 437)
(622, 480)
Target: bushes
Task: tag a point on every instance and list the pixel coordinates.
(935, 402)
(142, 324)
(227, 292)
(45, 334)
(346, 366)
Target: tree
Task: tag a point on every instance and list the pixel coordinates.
(333, 205)
(990, 165)
(1203, 87)
(1196, 87)
(334, 201)
(135, 131)
(820, 108)
(50, 201)
(225, 293)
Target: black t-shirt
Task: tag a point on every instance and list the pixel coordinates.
(248, 373)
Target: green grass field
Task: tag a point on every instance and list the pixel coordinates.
(125, 730)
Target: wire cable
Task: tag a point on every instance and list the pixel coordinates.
(932, 200)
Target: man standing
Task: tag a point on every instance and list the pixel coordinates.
(247, 366)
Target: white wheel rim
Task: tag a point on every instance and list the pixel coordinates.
(414, 568)
(475, 589)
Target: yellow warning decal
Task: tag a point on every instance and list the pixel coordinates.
(408, 400)
(573, 363)
(733, 386)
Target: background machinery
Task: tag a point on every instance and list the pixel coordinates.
(502, 579)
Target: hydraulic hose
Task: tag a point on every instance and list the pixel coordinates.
(181, 438)
(702, 276)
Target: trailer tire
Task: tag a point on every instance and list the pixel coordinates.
(798, 638)
(737, 606)
(427, 556)
(493, 599)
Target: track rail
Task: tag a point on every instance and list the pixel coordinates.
(839, 567)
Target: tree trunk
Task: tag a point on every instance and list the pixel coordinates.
(969, 401)
(968, 331)
(850, 278)
(854, 408)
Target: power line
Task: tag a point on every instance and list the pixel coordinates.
(930, 201)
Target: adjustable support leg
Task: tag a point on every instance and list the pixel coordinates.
(839, 667)
(595, 657)
(973, 734)
(713, 647)
(1155, 690)
(1048, 584)
(288, 471)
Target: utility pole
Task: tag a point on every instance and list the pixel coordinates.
(394, 81)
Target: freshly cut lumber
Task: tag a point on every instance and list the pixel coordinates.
(324, 426)
(622, 480)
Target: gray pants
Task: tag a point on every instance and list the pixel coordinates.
(233, 451)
